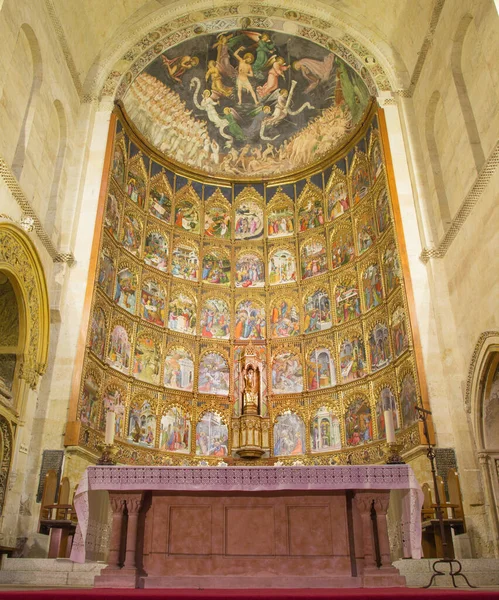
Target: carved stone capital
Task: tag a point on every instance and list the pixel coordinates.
(117, 503)
(483, 458)
(364, 502)
(133, 504)
(381, 502)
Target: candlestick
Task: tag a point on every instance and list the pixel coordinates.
(389, 427)
(110, 426)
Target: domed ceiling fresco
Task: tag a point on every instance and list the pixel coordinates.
(242, 104)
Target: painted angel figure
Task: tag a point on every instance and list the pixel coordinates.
(177, 67)
(278, 68)
(208, 104)
(315, 71)
(217, 85)
(282, 109)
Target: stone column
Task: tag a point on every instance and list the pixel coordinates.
(133, 504)
(363, 502)
(490, 503)
(117, 502)
(381, 502)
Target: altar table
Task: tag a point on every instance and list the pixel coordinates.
(247, 527)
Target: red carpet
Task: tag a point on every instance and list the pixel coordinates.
(320, 594)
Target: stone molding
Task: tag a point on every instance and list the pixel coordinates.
(468, 401)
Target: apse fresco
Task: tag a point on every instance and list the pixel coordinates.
(246, 103)
(304, 272)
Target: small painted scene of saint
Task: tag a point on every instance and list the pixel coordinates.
(136, 187)
(393, 272)
(386, 401)
(289, 435)
(249, 221)
(242, 103)
(366, 236)
(376, 160)
(215, 319)
(383, 217)
(142, 425)
(249, 271)
(156, 251)
(325, 434)
(373, 289)
(360, 182)
(179, 370)
(285, 319)
(379, 347)
(119, 165)
(185, 262)
(311, 214)
(89, 402)
(317, 310)
(187, 217)
(347, 302)
(153, 303)
(175, 431)
(358, 423)
(320, 370)
(313, 259)
(107, 273)
(213, 375)
(125, 294)
(287, 374)
(250, 321)
(146, 361)
(212, 436)
(160, 204)
(98, 333)
(217, 222)
(280, 222)
(338, 201)
(112, 216)
(182, 314)
(132, 234)
(216, 269)
(408, 401)
(353, 362)
(282, 267)
(400, 338)
(342, 248)
(118, 354)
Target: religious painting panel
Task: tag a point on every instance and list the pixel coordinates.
(347, 300)
(376, 158)
(187, 211)
(358, 422)
(160, 198)
(365, 231)
(342, 246)
(360, 178)
(112, 216)
(142, 423)
(131, 238)
(125, 294)
(215, 319)
(156, 250)
(386, 401)
(136, 181)
(114, 400)
(289, 435)
(311, 211)
(153, 302)
(248, 221)
(379, 347)
(214, 374)
(250, 271)
(282, 266)
(185, 260)
(107, 271)
(98, 332)
(320, 369)
(284, 317)
(317, 311)
(175, 431)
(400, 337)
(182, 310)
(391, 267)
(119, 348)
(313, 257)
(250, 320)
(212, 436)
(216, 267)
(217, 217)
(372, 287)
(353, 361)
(118, 168)
(179, 369)
(338, 200)
(280, 216)
(383, 216)
(408, 400)
(90, 399)
(147, 358)
(325, 432)
(287, 373)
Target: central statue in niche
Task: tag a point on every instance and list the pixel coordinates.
(251, 391)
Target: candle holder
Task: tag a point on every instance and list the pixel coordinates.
(107, 454)
(393, 454)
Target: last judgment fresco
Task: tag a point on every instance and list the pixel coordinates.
(218, 303)
(247, 103)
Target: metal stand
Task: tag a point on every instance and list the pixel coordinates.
(430, 453)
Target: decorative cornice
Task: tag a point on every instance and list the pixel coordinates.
(423, 53)
(471, 199)
(59, 31)
(15, 189)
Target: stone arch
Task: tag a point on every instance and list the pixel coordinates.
(29, 113)
(434, 156)
(462, 92)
